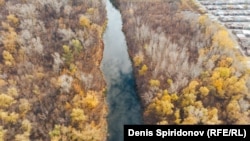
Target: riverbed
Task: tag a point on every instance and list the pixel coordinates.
(123, 101)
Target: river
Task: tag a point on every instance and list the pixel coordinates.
(123, 101)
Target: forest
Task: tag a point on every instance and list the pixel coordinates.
(187, 68)
(51, 86)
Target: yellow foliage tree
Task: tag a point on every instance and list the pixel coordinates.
(26, 126)
(10, 38)
(226, 83)
(193, 84)
(90, 133)
(191, 87)
(55, 133)
(9, 117)
(225, 62)
(91, 100)
(170, 81)
(174, 97)
(194, 113)
(2, 133)
(8, 58)
(67, 55)
(218, 84)
(22, 137)
(223, 72)
(203, 20)
(78, 101)
(24, 106)
(138, 60)
(212, 117)
(72, 68)
(233, 111)
(143, 70)
(99, 29)
(204, 91)
(162, 107)
(188, 99)
(190, 120)
(6, 101)
(223, 39)
(84, 21)
(154, 83)
(77, 135)
(77, 116)
(13, 20)
(91, 10)
(238, 87)
(77, 46)
(12, 91)
(177, 116)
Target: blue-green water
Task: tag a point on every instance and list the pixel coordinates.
(123, 102)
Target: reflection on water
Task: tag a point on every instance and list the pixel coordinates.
(124, 105)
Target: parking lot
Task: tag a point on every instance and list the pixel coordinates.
(233, 14)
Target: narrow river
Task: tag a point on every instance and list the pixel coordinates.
(123, 102)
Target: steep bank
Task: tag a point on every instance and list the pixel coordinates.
(187, 69)
(51, 84)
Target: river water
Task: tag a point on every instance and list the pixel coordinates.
(123, 102)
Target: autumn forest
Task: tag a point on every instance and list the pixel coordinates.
(186, 67)
(51, 85)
